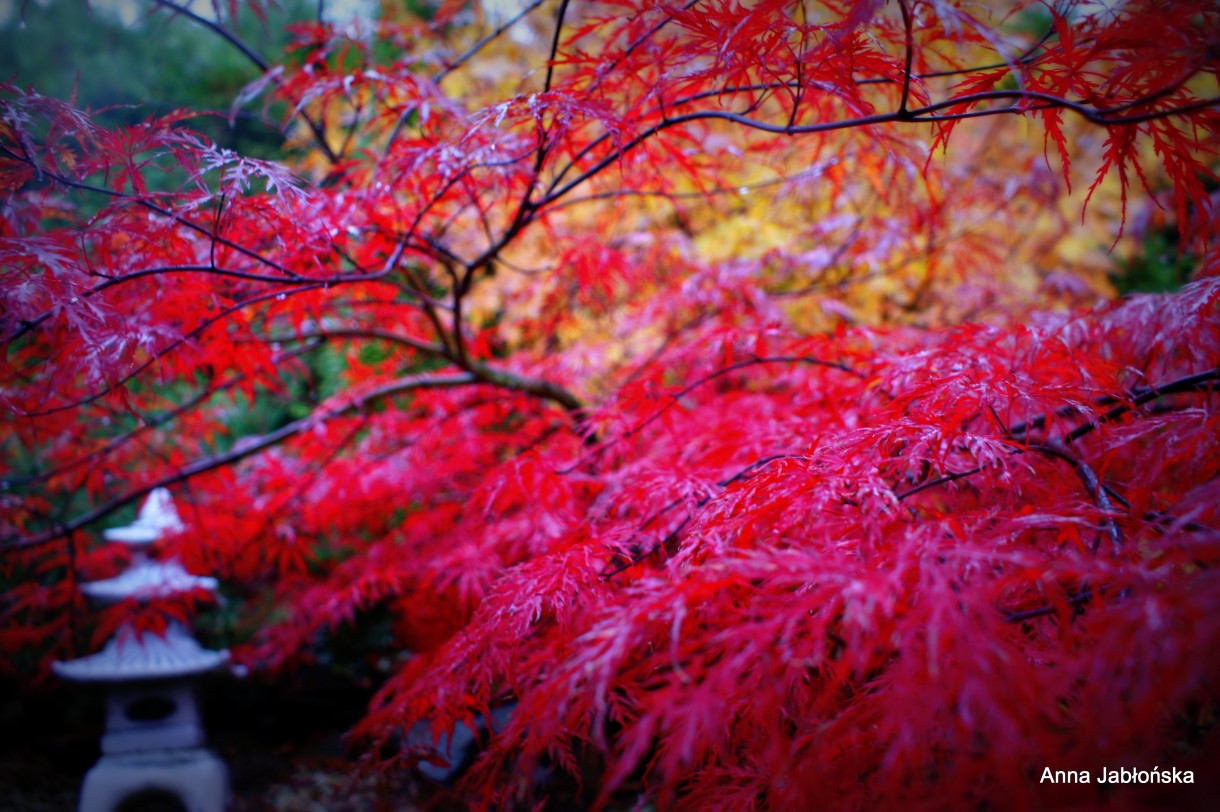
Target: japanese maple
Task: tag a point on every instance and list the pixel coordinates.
(729, 396)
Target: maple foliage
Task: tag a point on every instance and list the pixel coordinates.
(731, 394)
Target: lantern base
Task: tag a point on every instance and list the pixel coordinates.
(195, 778)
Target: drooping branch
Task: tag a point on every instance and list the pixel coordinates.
(112, 281)
(1198, 382)
(1075, 600)
(535, 387)
(938, 481)
(1096, 489)
(924, 114)
(145, 203)
(667, 541)
(221, 315)
(147, 424)
(676, 397)
(319, 134)
(702, 194)
(459, 62)
(246, 447)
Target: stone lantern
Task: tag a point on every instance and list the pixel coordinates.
(153, 745)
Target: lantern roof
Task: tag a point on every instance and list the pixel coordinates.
(145, 580)
(157, 517)
(130, 657)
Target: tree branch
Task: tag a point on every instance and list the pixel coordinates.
(153, 207)
(917, 115)
(318, 133)
(677, 396)
(245, 447)
(1138, 396)
(1092, 484)
(170, 347)
(457, 63)
(550, 62)
(112, 281)
(910, 56)
(324, 333)
(147, 424)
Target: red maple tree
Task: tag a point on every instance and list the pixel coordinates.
(895, 507)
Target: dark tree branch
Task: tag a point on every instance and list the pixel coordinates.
(1076, 601)
(749, 362)
(457, 63)
(918, 115)
(1198, 382)
(325, 333)
(910, 56)
(170, 347)
(550, 62)
(940, 480)
(677, 396)
(246, 447)
(147, 424)
(263, 65)
(112, 281)
(1097, 491)
(153, 207)
(667, 542)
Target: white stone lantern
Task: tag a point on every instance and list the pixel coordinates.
(152, 746)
